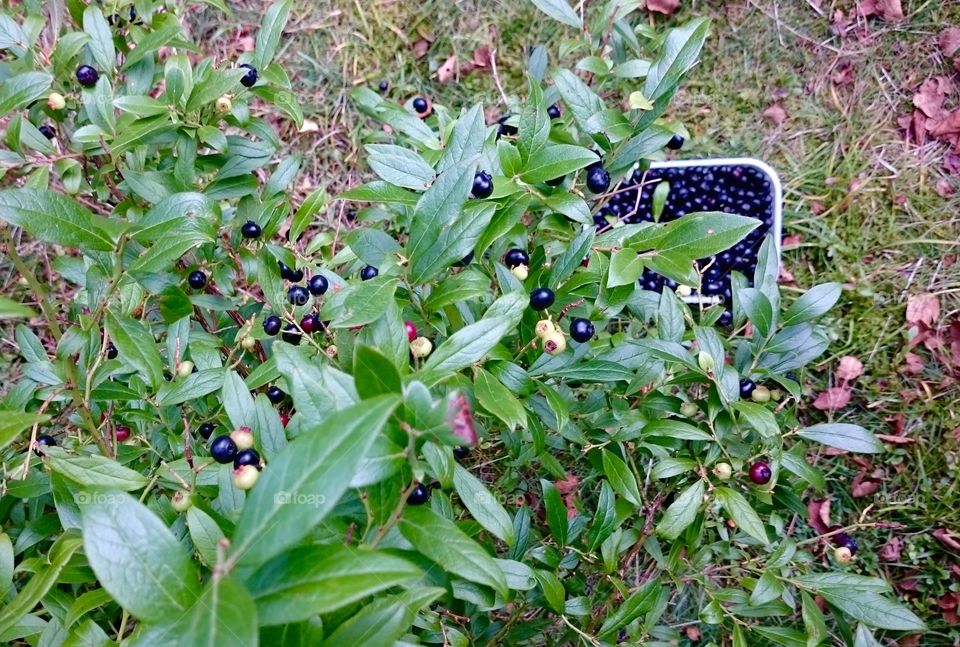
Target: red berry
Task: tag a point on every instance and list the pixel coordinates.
(411, 330)
(122, 432)
(760, 473)
(284, 418)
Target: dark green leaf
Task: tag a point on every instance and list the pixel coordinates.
(621, 478)
(360, 303)
(94, 470)
(101, 40)
(560, 11)
(23, 89)
(13, 422)
(498, 399)
(742, 513)
(136, 345)
(374, 373)
(700, 235)
(852, 438)
(55, 218)
(573, 207)
(400, 166)
(605, 518)
(556, 160)
(680, 51)
(681, 512)
(271, 29)
(639, 602)
(466, 141)
(483, 505)
(626, 266)
(815, 302)
(382, 622)
(582, 101)
(195, 385)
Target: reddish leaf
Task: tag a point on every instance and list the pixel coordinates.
(482, 56)
(912, 364)
(460, 419)
(776, 114)
(923, 308)
(896, 440)
(832, 399)
(889, 10)
(447, 71)
(950, 41)
(865, 484)
(947, 538)
(943, 188)
(420, 48)
(850, 368)
(892, 550)
(931, 95)
(818, 514)
(665, 7)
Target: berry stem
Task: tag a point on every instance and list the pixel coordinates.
(35, 285)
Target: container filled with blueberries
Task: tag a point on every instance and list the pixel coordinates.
(743, 186)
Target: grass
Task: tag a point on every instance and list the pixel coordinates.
(860, 201)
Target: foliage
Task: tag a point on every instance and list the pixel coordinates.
(594, 508)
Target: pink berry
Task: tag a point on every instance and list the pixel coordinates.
(411, 330)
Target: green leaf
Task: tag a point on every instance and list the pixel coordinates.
(640, 602)
(842, 581)
(534, 128)
(12, 37)
(101, 40)
(813, 621)
(136, 558)
(217, 83)
(13, 422)
(441, 541)
(573, 207)
(681, 512)
(466, 141)
(372, 246)
(680, 51)
(670, 322)
(605, 518)
(768, 588)
(205, 534)
(552, 589)
(271, 30)
(670, 428)
(6, 563)
(360, 303)
(164, 29)
(224, 614)
(873, 609)
(285, 506)
(309, 208)
(556, 512)
(758, 309)
(498, 399)
(699, 235)
(374, 374)
(483, 505)
(136, 345)
(580, 99)
(674, 266)
(382, 622)
(621, 478)
(55, 218)
(44, 579)
(94, 470)
(759, 417)
(323, 579)
(195, 385)
(556, 160)
(852, 438)
(626, 266)
(816, 301)
(742, 513)
(400, 166)
(560, 11)
(317, 390)
(23, 89)
(142, 106)
(578, 249)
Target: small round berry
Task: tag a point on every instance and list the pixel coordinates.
(46, 440)
(368, 273)
(298, 295)
(47, 131)
(245, 477)
(249, 79)
(461, 452)
(284, 418)
(206, 430)
(291, 335)
(411, 329)
(598, 180)
(515, 257)
(544, 327)
(310, 324)
(87, 76)
(688, 410)
(223, 449)
(420, 105)
(242, 437)
(289, 274)
(675, 143)
(181, 501)
(197, 280)
(271, 325)
(505, 128)
(581, 330)
(122, 433)
(384, 86)
(554, 343)
(849, 543)
(760, 394)
(56, 101)
(541, 298)
(726, 319)
(723, 471)
(248, 457)
(248, 343)
(318, 284)
(224, 103)
(185, 368)
(330, 351)
(482, 185)
(760, 473)
(421, 347)
(776, 395)
(521, 272)
(684, 290)
(746, 387)
(419, 495)
(112, 351)
(553, 111)
(275, 394)
(251, 230)
(843, 555)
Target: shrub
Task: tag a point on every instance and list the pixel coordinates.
(441, 462)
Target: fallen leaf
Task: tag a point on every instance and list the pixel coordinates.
(931, 95)
(834, 398)
(482, 56)
(948, 604)
(786, 276)
(665, 7)
(912, 364)
(309, 126)
(844, 74)
(850, 368)
(776, 114)
(896, 440)
(943, 188)
(947, 538)
(420, 48)
(950, 41)
(818, 514)
(568, 488)
(889, 10)
(792, 240)
(693, 633)
(923, 308)
(951, 163)
(446, 72)
(892, 550)
(955, 341)
(864, 484)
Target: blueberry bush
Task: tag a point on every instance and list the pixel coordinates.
(488, 408)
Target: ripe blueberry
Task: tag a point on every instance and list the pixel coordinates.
(247, 457)
(515, 257)
(112, 351)
(251, 230)
(47, 131)
(271, 325)
(46, 440)
(760, 473)
(310, 324)
(291, 335)
(318, 284)
(122, 432)
(541, 298)
(553, 111)
(581, 330)
(205, 430)
(275, 395)
(298, 295)
(466, 260)
(87, 76)
(384, 86)
(420, 105)
(726, 319)
(197, 280)
(461, 452)
(411, 329)
(482, 185)
(505, 128)
(675, 143)
(368, 272)
(598, 180)
(288, 274)
(746, 387)
(223, 449)
(419, 495)
(249, 79)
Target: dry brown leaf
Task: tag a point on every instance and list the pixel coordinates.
(947, 538)
(776, 114)
(792, 240)
(923, 308)
(912, 364)
(665, 7)
(850, 368)
(950, 41)
(834, 398)
(421, 47)
(863, 485)
(309, 126)
(447, 71)
(482, 56)
(568, 488)
(896, 440)
(693, 633)
(889, 10)
(931, 95)
(892, 549)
